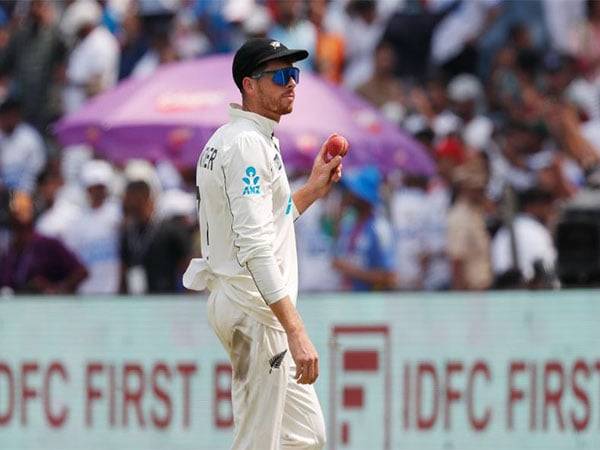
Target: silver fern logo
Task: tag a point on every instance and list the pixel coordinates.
(275, 361)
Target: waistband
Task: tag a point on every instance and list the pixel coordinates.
(198, 276)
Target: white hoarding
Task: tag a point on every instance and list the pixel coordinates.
(400, 371)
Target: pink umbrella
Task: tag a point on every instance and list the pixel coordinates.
(172, 113)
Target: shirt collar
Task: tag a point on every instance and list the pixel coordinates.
(264, 124)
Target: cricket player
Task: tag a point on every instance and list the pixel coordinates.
(246, 215)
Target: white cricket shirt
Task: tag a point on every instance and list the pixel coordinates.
(246, 216)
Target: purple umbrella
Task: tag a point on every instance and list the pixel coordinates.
(172, 113)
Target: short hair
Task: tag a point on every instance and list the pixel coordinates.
(138, 187)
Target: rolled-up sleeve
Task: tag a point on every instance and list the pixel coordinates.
(247, 179)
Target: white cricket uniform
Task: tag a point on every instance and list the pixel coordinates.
(246, 216)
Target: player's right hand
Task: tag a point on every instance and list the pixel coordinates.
(305, 356)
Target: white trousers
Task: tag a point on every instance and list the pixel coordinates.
(271, 410)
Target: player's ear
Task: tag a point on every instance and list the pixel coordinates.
(249, 85)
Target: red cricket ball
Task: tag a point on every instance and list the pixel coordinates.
(335, 145)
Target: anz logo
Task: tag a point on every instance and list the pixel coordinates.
(251, 182)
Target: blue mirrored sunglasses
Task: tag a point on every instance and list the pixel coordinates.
(282, 76)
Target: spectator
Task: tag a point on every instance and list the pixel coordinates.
(454, 42)
(434, 260)
(562, 17)
(450, 153)
(436, 268)
(363, 29)
(410, 31)
(161, 51)
(94, 234)
(466, 94)
(56, 212)
(133, 41)
(365, 252)
(22, 149)
(564, 124)
(188, 39)
(521, 23)
(418, 126)
(315, 233)
(585, 99)
(34, 263)
(330, 46)
(219, 31)
(5, 214)
(383, 89)
(586, 40)
(154, 252)
(509, 163)
(94, 61)
(181, 208)
(33, 59)
(292, 27)
(523, 252)
(110, 17)
(258, 23)
(468, 239)
(409, 213)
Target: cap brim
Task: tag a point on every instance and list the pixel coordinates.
(356, 188)
(294, 55)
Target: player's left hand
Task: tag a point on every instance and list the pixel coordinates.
(305, 357)
(324, 174)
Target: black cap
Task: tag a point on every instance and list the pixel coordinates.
(258, 51)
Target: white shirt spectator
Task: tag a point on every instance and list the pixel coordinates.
(177, 203)
(446, 123)
(585, 95)
(409, 215)
(361, 39)
(533, 242)
(93, 62)
(94, 236)
(503, 173)
(477, 133)
(147, 65)
(437, 275)
(591, 132)
(460, 26)
(22, 158)
(420, 226)
(562, 16)
(57, 222)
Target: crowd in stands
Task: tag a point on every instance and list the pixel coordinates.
(503, 94)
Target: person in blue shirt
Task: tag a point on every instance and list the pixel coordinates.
(364, 251)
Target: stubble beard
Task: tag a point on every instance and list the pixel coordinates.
(277, 105)
(284, 106)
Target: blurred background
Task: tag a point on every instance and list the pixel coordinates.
(503, 96)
